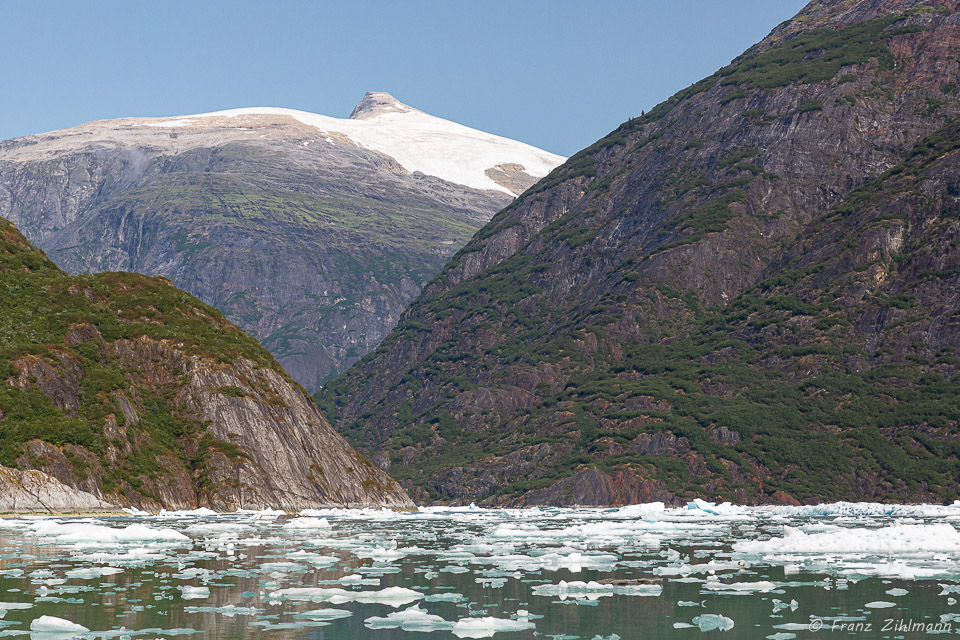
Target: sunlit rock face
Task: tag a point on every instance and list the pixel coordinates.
(312, 233)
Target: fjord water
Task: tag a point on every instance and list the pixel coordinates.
(637, 572)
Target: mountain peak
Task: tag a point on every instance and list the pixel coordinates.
(377, 103)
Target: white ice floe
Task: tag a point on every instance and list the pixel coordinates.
(593, 590)
(93, 534)
(647, 510)
(892, 540)
(91, 573)
(228, 611)
(486, 627)
(324, 614)
(713, 622)
(316, 559)
(353, 514)
(189, 592)
(573, 561)
(761, 586)
(411, 619)
(13, 606)
(393, 596)
(57, 627)
(202, 512)
(307, 523)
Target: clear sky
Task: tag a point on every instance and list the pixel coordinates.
(554, 73)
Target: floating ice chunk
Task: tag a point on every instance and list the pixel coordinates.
(393, 596)
(194, 572)
(761, 586)
(949, 588)
(324, 614)
(593, 590)
(896, 593)
(640, 510)
(411, 619)
(880, 604)
(268, 625)
(354, 579)
(515, 530)
(315, 559)
(722, 509)
(307, 523)
(574, 561)
(892, 540)
(85, 533)
(135, 556)
(486, 627)
(353, 514)
(381, 554)
(202, 512)
(227, 610)
(90, 573)
(782, 635)
(52, 627)
(702, 505)
(11, 606)
(896, 569)
(189, 592)
(713, 622)
(710, 567)
(445, 597)
(263, 514)
(779, 605)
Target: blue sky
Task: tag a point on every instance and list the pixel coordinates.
(554, 73)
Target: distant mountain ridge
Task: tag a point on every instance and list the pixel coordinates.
(310, 232)
(748, 293)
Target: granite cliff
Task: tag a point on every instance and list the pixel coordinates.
(748, 293)
(119, 389)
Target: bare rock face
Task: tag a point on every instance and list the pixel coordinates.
(306, 239)
(118, 389)
(37, 492)
(748, 293)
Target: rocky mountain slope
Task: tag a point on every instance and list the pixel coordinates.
(130, 391)
(749, 293)
(309, 232)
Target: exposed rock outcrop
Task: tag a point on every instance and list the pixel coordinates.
(748, 293)
(37, 492)
(307, 239)
(120, 389)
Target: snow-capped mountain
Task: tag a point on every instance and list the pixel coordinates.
(416, 140)
(310, 232)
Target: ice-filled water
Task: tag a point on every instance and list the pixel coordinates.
(638, 572)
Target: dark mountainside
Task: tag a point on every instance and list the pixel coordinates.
(750, 293)
(307, 241)
(131, 390)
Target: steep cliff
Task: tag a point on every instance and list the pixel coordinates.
(310, 233)
(132, 392)
(749, 293)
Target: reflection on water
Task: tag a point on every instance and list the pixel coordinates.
(637, 572)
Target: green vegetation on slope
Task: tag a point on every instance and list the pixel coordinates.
(601, 342)
(42, 305)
